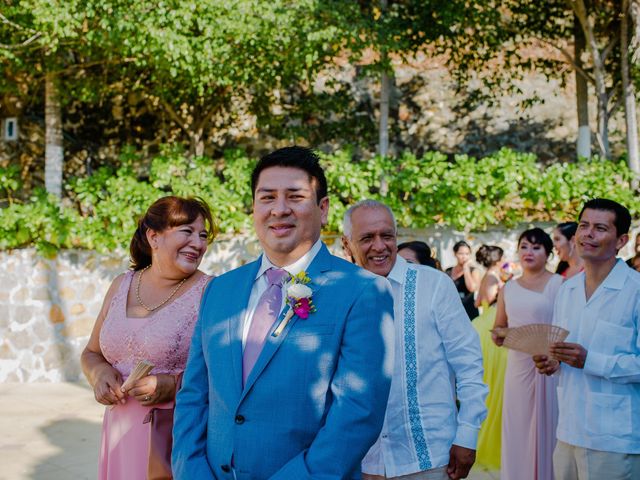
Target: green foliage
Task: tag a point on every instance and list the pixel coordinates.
(506, 187)
(9, 181)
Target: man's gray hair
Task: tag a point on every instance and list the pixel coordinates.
(346, 220)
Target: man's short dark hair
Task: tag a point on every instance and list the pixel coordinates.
(294, 157)
(622, 220)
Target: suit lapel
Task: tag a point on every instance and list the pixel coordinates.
(316, 272)
(236, 322)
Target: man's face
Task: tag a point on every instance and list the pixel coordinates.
(637, 246)
(373, 243)
(596, 237)
(286, 215)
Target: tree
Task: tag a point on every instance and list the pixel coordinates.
(388, 30)
(195, 65)
(599, 30)
(53, 49)
(628, 89)
(583, 145)
(203, 62)
(500, 31)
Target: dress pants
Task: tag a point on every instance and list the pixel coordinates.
(433, 474)
(577, 463)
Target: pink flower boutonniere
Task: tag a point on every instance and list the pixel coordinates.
(299, 299)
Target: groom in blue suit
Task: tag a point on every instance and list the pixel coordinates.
(286, 380)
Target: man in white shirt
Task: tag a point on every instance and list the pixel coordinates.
(437, 357)
(599, 389)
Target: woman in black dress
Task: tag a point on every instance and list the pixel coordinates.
(465, 277)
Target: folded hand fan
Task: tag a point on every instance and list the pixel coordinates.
(142, 369)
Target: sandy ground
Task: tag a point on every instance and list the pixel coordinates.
(51, 431)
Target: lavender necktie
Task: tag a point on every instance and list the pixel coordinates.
(266, 313)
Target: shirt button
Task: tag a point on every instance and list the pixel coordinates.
(239, 419)
(225, 468)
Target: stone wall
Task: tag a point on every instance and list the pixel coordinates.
(48, 307)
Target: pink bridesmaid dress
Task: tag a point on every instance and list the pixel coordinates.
(163, 338)
(530, 407)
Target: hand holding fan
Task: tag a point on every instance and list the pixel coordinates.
(142, 369)
(534, 339)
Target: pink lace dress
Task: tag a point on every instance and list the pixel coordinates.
(163, 338)
(530, 407)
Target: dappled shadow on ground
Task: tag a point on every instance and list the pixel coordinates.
(78, 442)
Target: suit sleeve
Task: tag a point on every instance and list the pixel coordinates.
(462, 348)
(359, 390)
(189, 455)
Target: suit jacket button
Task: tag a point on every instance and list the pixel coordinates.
(226, 468)
(239, 419)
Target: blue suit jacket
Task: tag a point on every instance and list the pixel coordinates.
(315, 400)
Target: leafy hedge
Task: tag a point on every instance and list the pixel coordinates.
(507, 187)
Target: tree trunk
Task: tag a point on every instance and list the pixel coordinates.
(629, 93)
(599, 74)
(53, 152)
(385, 93)
(582, 94)
(196, 143)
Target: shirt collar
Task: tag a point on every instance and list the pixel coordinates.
(397, 273)
(615, 279)
(296, 267)
(617, 276)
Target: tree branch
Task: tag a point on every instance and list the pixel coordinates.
(173, 114)
(580, 10)
(568, 57)
(81, 66)
(24, 44)
(634, 12)
(614, 93)
(6, 21)
(609, 48)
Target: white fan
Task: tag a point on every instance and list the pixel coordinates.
(534, 339)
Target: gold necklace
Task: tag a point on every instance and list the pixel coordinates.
(151, 309)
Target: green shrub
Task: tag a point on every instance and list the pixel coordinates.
(507, 187)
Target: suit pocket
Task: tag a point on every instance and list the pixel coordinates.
(608, 414)
(304, 329)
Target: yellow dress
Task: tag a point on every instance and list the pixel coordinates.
(494, 360)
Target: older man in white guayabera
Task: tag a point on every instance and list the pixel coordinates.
(437, 357)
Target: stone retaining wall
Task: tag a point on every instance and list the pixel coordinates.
(48, 307)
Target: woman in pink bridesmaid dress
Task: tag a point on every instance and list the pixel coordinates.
(530, 410)
(148, 314)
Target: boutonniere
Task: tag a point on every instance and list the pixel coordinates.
(299, 299)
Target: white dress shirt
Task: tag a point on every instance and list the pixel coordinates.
(260, 284)
(600, 404)
(437, 355)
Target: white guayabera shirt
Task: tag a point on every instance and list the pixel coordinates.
(599, 404)
(437, 356)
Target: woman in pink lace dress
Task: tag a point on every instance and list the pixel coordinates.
(530, 409)
(148, 314)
